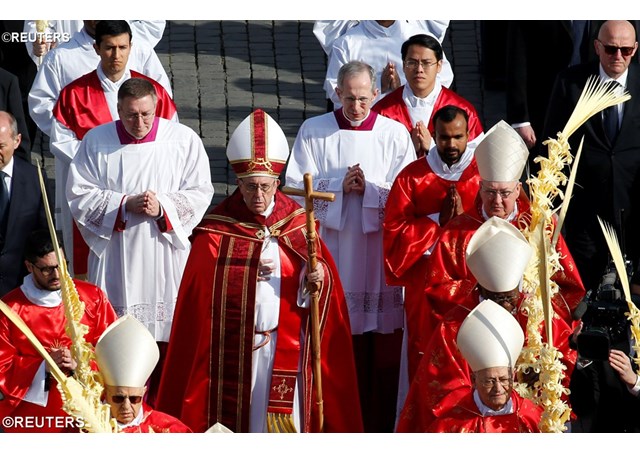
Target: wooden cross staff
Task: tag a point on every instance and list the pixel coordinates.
(309, 195)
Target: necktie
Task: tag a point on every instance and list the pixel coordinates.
(610, 119)
(4, 197)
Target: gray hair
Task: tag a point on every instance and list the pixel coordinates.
(13, 124)
(354, 68)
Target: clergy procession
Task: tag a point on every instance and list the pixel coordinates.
(392, 265)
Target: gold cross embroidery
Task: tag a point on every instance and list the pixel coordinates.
(282, 389)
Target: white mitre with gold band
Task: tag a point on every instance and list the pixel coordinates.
(258, 147)
(501, 155)
(490, 337)
(126, 353)
(497, 255)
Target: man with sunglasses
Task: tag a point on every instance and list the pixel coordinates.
(609, 170)
(415, 103)
(27, 388)
(501, 158)
(126, 355)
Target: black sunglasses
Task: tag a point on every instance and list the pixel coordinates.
(611, 50)
(133, 399)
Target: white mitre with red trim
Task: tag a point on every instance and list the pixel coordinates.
(258, 147)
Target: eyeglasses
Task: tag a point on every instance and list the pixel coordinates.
(46, 270)
(134, 116)
(413, 64)
(491, 193)
(351, 100)
(253, 188)
(612, 50)
(489, 383)
(133, 399)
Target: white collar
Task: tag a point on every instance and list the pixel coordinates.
(378, 30)
(487, 411)
(109, 85)
(414, 101)
(622, 80)
(267, 212)
(8, 169)
(355, 123)
(40, 297)
(453, 172)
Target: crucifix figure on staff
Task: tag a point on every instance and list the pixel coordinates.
(244, 307)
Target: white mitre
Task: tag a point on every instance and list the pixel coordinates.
(501, 155)
(126, 353)
(490, 337)
(497, 255)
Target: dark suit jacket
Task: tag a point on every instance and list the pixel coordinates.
(26, 214)
(11, 101)
(608, 173)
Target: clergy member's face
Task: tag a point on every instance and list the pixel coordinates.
(125, 402)
(46, 272)
(499, 198)
(451, 139)
(494, 386)
(137, 115)
(114, 54)
(420, 69)
(357, 95)
(258, 192)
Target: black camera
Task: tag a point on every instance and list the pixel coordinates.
(603, 318)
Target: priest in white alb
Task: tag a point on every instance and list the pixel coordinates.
(136, 189)
(356, 154)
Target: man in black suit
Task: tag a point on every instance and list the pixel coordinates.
(609, 169)
(21, 205)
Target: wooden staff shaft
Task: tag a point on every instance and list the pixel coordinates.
(314, 288)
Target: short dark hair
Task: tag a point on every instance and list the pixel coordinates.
(111, 28)
(449, 113)
(424, 41)
(137, 88)
(38, 245)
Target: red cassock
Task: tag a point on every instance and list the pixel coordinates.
(393, 106)
(464, 417)
(449, 282)
(408, 233)
(207, 374)
(19, 360)
(157, 422)
(444, 372)
(82, 106)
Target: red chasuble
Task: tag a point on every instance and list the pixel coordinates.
(393, 106)
(408, 233)
(464, 417)
(207, 374)
(19, 360)
(449, 282)
(157, 422)
(444, 372)
(82, 106)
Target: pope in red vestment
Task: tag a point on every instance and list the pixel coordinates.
(412, 222)
(207, 377)
(157, 422)
(464, 417)
(19, 361)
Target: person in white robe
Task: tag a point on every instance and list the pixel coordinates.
(136, 189)
(356, 154)
(378, 43)
(75, 58)
(112, 72)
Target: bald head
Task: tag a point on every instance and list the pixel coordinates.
(616, 45)
(9, 138)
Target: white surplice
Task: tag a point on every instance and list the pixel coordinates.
(351, 226)
(141, 267)
(75, 58)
